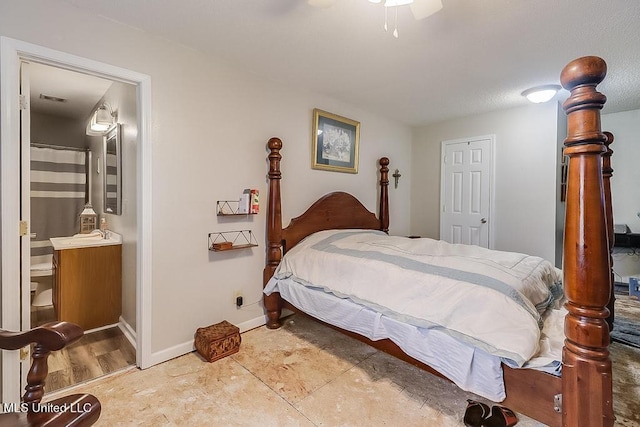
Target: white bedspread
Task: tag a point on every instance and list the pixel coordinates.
(489, 299)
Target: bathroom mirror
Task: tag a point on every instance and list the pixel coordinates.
(112, 179)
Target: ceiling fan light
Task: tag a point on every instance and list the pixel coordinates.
(540, 94)
(393, 3)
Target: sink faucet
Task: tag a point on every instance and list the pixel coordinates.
(103, 234)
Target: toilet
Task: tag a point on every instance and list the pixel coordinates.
(43, 296)
(41, 284)
(42, 310)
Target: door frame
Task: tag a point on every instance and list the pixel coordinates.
(492, 182)
(12, 52)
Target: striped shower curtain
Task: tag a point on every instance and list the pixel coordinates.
(58, 189)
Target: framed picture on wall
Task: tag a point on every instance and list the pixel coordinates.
(335, 142)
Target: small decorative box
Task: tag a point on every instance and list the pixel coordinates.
(222, 246)
(217, 341)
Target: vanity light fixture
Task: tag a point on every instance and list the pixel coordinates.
(102, 120)
(541, 94)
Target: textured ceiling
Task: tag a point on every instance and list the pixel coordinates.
(473, 56)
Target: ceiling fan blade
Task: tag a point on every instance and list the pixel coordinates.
(321, 3)
(424, 8)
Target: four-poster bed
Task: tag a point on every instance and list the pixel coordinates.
(582, 395)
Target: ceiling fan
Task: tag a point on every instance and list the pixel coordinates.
(421, 9)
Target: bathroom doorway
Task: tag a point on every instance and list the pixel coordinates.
(66, 176)
(61, 167)
(135, 227)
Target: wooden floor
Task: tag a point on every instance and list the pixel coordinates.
(94, 355)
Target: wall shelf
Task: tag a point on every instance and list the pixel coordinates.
(231, 240)
(229, 208)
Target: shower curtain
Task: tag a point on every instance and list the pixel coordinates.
(58, 194)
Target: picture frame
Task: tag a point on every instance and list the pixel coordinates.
(335, 142)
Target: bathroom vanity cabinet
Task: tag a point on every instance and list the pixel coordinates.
(87, 285)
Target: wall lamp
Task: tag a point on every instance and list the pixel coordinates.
(101, 120)
(541, 94)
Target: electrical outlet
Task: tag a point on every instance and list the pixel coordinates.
(238, 299)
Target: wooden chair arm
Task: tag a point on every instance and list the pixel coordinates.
(70, 411)
(52, 336)
(47, 338)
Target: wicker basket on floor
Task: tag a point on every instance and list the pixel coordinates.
(217, 341)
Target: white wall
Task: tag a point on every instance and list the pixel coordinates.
(526, 158)
(210, 125)
(625, 183)
(122, 99)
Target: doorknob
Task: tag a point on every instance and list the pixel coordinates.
(483, 220)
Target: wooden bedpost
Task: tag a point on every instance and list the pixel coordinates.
(384, 194)
(587, 391)
(607, 173)
(272, 303)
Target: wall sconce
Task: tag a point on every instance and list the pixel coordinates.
(101, 120)
(541, 94)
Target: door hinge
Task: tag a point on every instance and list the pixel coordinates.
(24, 228)
(23, 102)
(24, 353)
(557, 403)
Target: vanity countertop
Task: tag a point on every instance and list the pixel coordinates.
(93, 239)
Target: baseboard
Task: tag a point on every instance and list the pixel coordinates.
(128, 332)
(187, 347)
(101, 328)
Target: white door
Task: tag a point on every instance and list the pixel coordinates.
(466, 191)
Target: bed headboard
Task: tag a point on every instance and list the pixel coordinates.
(337, 210)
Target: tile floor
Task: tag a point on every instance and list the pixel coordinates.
(306, 374)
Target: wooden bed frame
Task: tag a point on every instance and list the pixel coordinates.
(583, 396)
